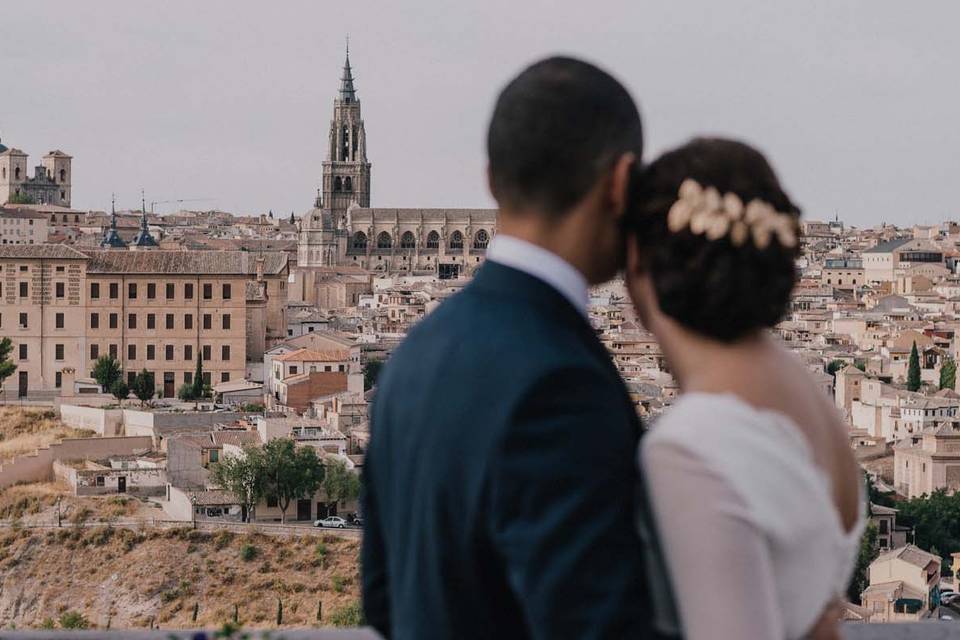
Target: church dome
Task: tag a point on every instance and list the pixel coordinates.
(2, 147)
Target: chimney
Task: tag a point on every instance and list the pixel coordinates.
(259, 262)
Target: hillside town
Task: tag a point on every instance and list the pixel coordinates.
(170, 342)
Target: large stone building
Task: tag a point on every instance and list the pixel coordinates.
(150, 309)
(50, 183)
(342, 230)
(23, 226)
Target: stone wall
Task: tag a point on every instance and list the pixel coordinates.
(105, 422)
(38, 467)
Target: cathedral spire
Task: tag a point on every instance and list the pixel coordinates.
(111, 239)
(143, 237)
(347, 93)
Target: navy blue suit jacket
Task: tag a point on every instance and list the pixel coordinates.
(500, 482)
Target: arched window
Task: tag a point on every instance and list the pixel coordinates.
(407, 241)
(433, 240)
(359, 240)
(481, 240)
(384, 241)
(4, 173)
(456, 240)
(348, 184)
(63, 175)
(16, 173)
(337, 184)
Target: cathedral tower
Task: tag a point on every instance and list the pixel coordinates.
(346, 171)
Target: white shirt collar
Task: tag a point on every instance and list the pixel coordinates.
(543, 265)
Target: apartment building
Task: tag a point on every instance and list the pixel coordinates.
(18, 226)
(904, 585)
(155, 310)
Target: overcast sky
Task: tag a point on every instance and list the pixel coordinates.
(855, 102)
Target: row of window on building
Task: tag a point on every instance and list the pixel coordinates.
(407, 241)
(226, 291)
(169, 321)
(23, 352)
(169, 352)
(170, 291)
(113, 320)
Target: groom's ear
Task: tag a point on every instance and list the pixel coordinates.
(619, 194)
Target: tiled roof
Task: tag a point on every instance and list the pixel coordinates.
(889, 245)
(911, 554)
(46, 251)
(234, 437)
(192, 262)
(309, 355)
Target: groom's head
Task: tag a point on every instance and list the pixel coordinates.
(562, 144)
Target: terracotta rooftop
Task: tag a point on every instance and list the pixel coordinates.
(192, 262)
(45, 251)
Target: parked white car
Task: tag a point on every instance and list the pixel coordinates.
(333, 521)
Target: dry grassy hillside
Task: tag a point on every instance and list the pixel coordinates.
(123, 578)
(24, 430)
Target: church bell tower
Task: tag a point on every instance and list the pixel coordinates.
(346, 171)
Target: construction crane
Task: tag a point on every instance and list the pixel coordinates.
(178, 201)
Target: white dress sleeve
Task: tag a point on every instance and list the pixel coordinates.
(718, 559)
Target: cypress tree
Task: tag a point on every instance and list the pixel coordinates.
(198, 377)
(913, 371)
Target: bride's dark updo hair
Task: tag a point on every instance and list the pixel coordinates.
(723, 278)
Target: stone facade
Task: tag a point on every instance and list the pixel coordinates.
(154, 310)
(19, 226)
(50, 183)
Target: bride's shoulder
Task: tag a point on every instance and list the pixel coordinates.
(737, 444)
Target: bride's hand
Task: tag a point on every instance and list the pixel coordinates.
(828, 626)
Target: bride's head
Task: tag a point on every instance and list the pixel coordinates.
(712, 240)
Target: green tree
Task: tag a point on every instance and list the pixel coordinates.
(7, 367)
(913, 370)
(835, 366)
(291, 472)
(143, 386)
(198, 387)
(371, 372)
(935, 519)
(948, 374)
(106, 371)
(20, 198)
(242, 475)
(120, 390)
(341, 484)
(185, 392)
(867, 554)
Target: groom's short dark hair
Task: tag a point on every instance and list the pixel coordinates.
(556, 128)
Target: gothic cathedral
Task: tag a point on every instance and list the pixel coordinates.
(343, 230)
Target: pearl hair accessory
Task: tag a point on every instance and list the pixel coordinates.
(708, 213)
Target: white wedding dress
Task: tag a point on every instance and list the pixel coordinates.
(753, 543)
